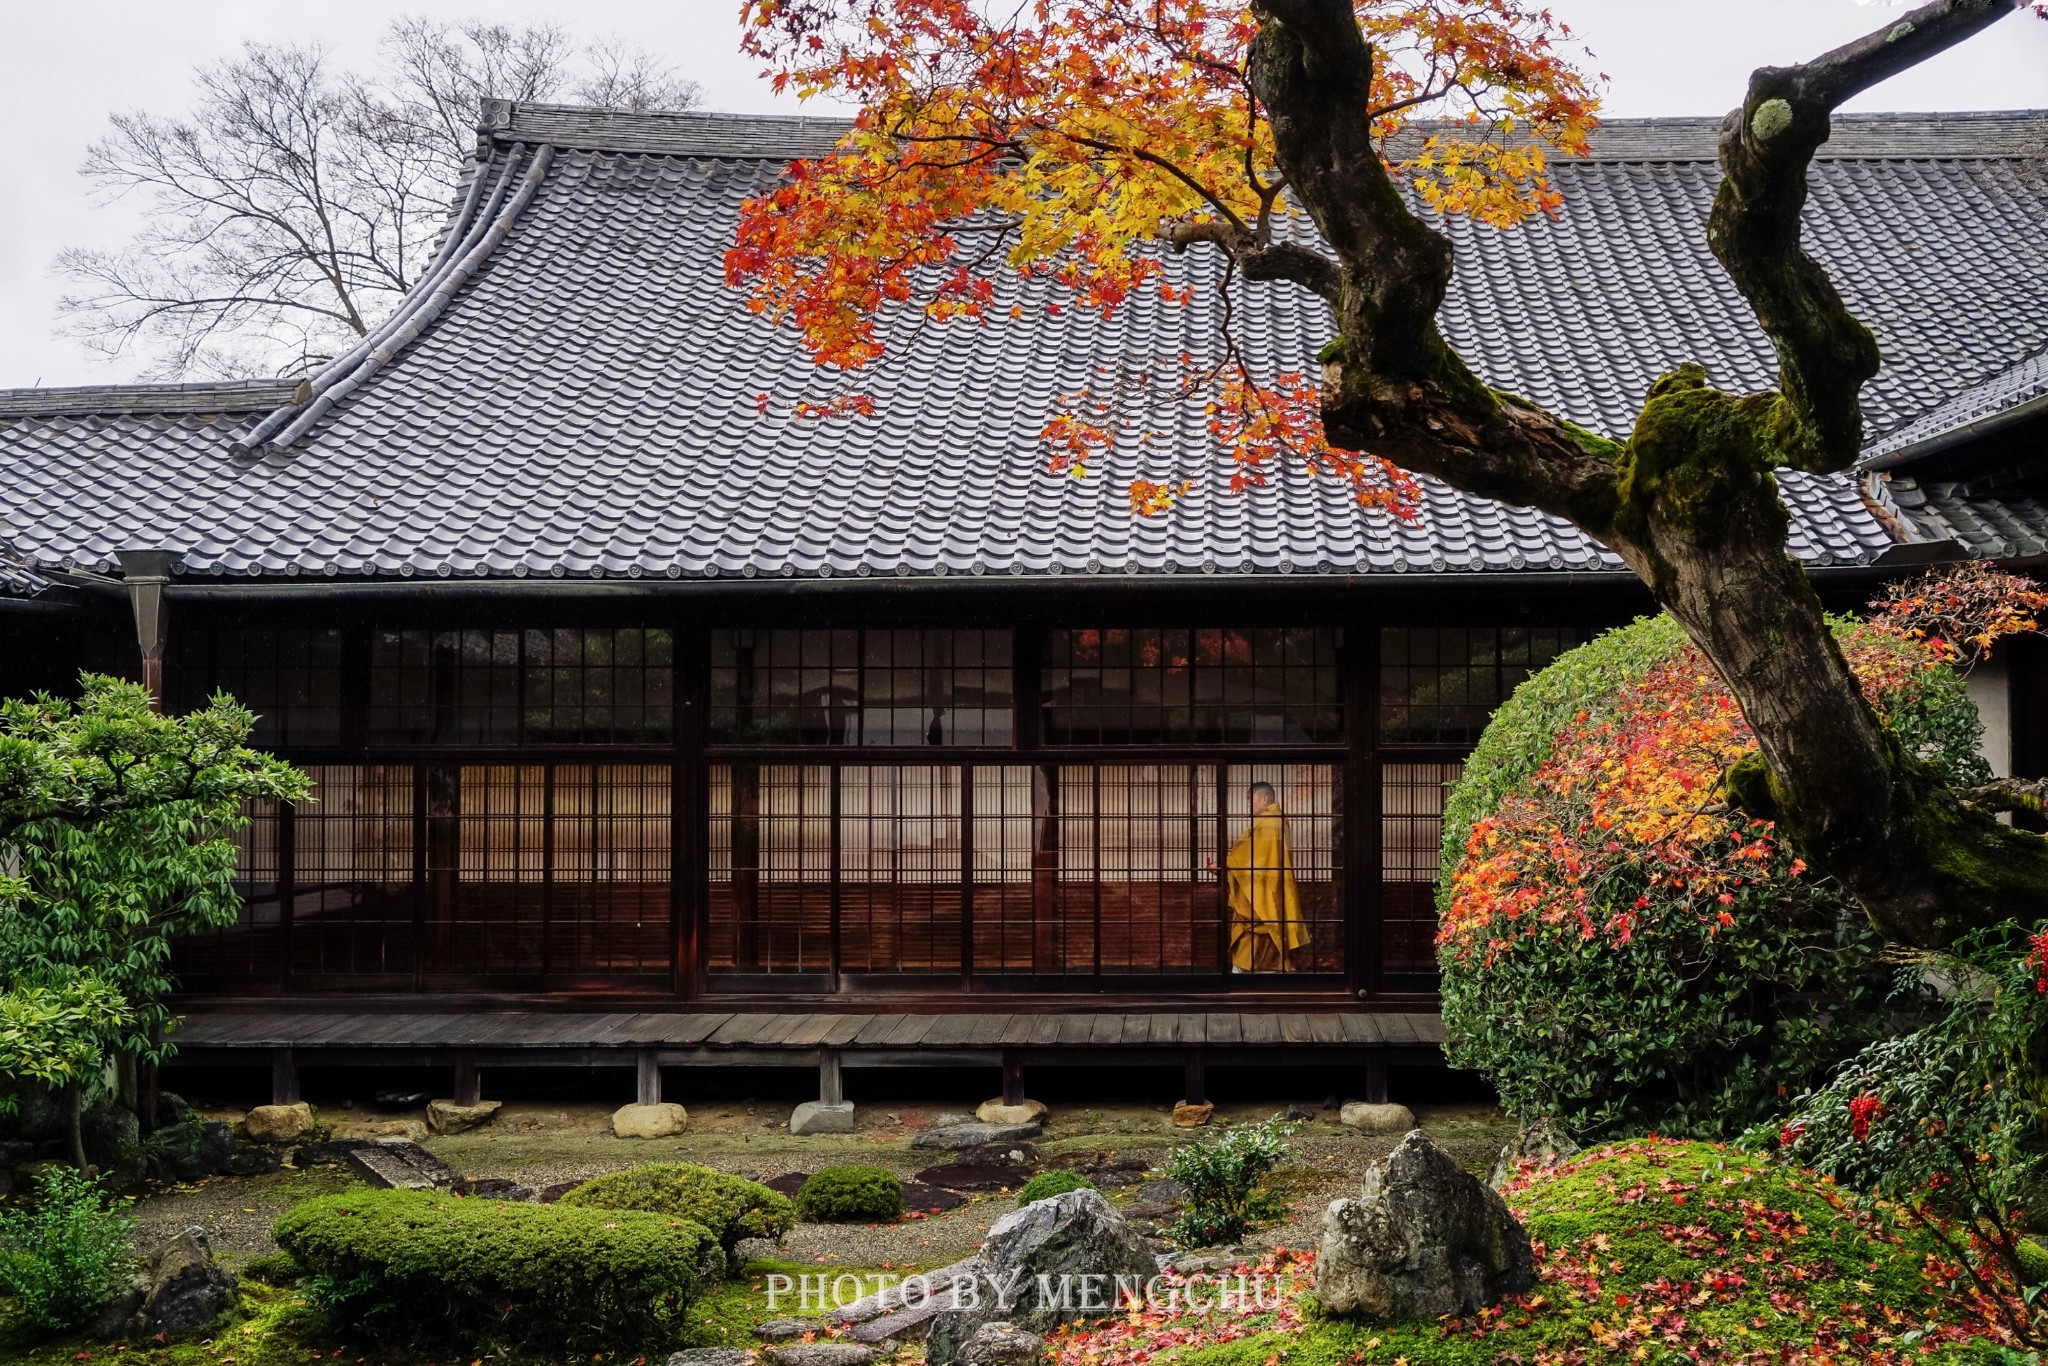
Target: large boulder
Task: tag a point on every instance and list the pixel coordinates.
(1369, 1118)
(822, 1117)
(191, 1149)
(665, 1120)
(449, 1117)
(113, 1141)
(1424, 1239)
(181, 1290)
(279, 1123)
(1002, 1344)
(1053, 1261)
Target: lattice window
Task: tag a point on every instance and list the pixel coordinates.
(1276, 937)
(570, 685)
(1264, 685)
(353, 888)
(1439, 685)
(861, 687)
(289, 676)
(1412, 800)
(771, 868)
(899, 868)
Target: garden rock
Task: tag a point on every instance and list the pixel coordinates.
(1425, 1239)
(446, 1117)
(496, 1188)
(712, 1356)
(385, 1130)
(1164, 1191)
(1001, 1344)
(974, 1133)
(401, 1166)
(1540, 1142)
(1369, 1118)
(665, 1120)
(821, 1354)
(906, 1308)
(1053, 1243)
(279, 1123)
(996, 1112)
(975, 1176)
(786, 1330)
(822, 1117)
(917, 1196)
(1189, 1116)
(181, 1290)
(113, 1140)
(209, 1150)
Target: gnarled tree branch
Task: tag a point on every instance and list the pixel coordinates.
(1690, 501)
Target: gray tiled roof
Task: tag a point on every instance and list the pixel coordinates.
(588, 403)
(2005, 394)
(2006, 527)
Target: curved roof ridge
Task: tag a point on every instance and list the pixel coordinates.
(193, 396)
(1994, 133)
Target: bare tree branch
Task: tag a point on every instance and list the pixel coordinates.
(293, 204)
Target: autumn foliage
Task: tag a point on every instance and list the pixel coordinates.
(1076, 144)
(1620, 949)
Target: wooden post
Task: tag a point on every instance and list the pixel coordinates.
(647, 1074)
(284, 1077)
(1195, 1084)
(1013, 1082)
(831, 1081)
(468, 1084)
(1376, 1079)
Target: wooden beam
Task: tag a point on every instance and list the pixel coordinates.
(647, 1077)
(468, 1083)
(1195, 1080)
(831, 1080)
(1013, 1081)
(1376, 1079)
(284, 1077)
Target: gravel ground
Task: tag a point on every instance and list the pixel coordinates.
(539, 1145)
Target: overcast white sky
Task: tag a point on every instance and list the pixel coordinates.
(66, 64)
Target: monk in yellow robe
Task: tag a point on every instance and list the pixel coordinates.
(1266, 928)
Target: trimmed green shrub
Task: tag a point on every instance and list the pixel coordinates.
(418, 1267)
(62, 1257)
(1621, 952)
(1225, 1178)
(851, 1195)
(732, 1207)
(1047, 1184)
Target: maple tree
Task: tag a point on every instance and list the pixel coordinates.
(1067, 144)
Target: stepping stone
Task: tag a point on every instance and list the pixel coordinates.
(494, 1188)
(893, 1299)
(402, 1166)
(788, 1330)
(712, 1356)
(917, 1196)
(821, 1354)
(974, 1133)
(789, 1183)
(974, 1176)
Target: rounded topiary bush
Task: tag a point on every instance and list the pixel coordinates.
(1047, 1184)
(851, 1195)
(421, 1269)
(1620, 951)
(732, 1207)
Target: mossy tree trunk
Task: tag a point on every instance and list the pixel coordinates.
(1690, 500)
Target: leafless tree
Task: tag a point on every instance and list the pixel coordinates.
(290, 207)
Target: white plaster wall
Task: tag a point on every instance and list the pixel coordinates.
(1990, 685)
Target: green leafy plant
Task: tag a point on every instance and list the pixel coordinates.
(1225, 1180)
(1619, 950)
(64, 1255)
(121, 821)
(1945, 1122)
(1047, 1184)
(851, 1195)
(418, 1268)
(732, 1207)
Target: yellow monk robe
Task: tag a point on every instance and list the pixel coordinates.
(1265, 905)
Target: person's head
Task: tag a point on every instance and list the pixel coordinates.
(1263, 796)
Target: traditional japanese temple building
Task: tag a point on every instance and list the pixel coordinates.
(650, 720)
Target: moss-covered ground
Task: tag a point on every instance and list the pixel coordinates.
(1647, 1252)
(1650, 1251)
